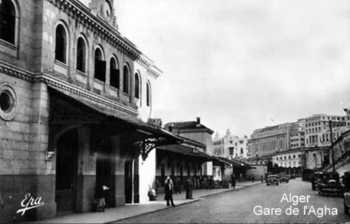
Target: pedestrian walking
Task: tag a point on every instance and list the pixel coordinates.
(102, 197)
(189, 188)
(2, 204)
(233, 181)
(168, 189)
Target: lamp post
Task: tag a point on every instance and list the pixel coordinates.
(331, 138)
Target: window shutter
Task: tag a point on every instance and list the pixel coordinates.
(101, 70)
(115, 78)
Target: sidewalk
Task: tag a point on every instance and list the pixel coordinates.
(132, 210)
(206, 192)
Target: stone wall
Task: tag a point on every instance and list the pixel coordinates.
(23, 164)
(26, 52)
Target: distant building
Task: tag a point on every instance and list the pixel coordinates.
(341, 157)
(317, 131)
(297, 137)
(316, 157)
(198, 132)
(289, 159)
(310, 135)
(231, 146)
(269, 140)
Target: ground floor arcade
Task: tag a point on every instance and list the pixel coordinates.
(81, 147)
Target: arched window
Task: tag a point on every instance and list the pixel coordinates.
(126, 79)
(81, 55)
(114, 73)
(7, 21)
(61, 44)
(148, 94)
(137, 86)
(100, 65)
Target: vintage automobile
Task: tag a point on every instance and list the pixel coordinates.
(272, 179)
(330, 185)
(346, 184)
(284, 178)
(316, 179)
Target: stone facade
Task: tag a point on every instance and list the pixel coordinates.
(316, 158)
(54, 116)
(297, 137)
(231, 146)
(268, 140)
(317, 131)
(340, 154)
(182, 162)
(289, 159)
(196, 131)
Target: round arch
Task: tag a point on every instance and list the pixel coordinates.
(126, 78)
(82, 54)
(62, 41)
(114, 72)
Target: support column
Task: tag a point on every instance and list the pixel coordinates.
(86, 172)
(119, 171)
(43, 171)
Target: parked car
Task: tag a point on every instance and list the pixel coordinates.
(316, 179)
(284, 178)
(346, 184)
(272, 179)
(330, 185)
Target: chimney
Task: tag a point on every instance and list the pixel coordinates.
(198, 120)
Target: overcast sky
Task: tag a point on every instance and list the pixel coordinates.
(243, 64)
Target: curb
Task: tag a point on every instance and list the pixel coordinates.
(154, 211)
(183, 203)
(235, 189)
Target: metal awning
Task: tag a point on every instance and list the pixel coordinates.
(152, 136)
(185, 150)
(233, 162)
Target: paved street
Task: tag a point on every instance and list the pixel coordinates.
(237, 207)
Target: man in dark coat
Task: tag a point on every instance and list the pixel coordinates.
(233, 180)
(189, 188)
(168, 189)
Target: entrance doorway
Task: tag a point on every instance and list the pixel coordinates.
(66, 171)
(105, 173)
(131, 181)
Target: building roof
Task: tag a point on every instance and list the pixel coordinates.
(187, 125)
(289, 151)
(192, 142)
(82, 12)
(148, 129)
(316, 148)
(187, 150)
(233, 162)
(340, 138)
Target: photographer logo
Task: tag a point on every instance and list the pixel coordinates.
(29, 202)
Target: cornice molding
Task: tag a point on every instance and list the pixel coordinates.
(82, 13)
(86, 94)
(16, 72)
(65, 86)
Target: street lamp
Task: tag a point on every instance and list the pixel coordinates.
(331, 138)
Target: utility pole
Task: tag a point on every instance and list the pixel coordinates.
(331, 138)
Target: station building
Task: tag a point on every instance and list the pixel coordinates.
(75, 97)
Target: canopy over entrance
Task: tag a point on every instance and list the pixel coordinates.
(67, 110)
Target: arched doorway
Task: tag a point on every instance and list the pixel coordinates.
(66, 171)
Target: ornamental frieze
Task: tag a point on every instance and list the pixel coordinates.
(81, 14)
(70, 89)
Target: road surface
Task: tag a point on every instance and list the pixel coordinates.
(256, 204)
